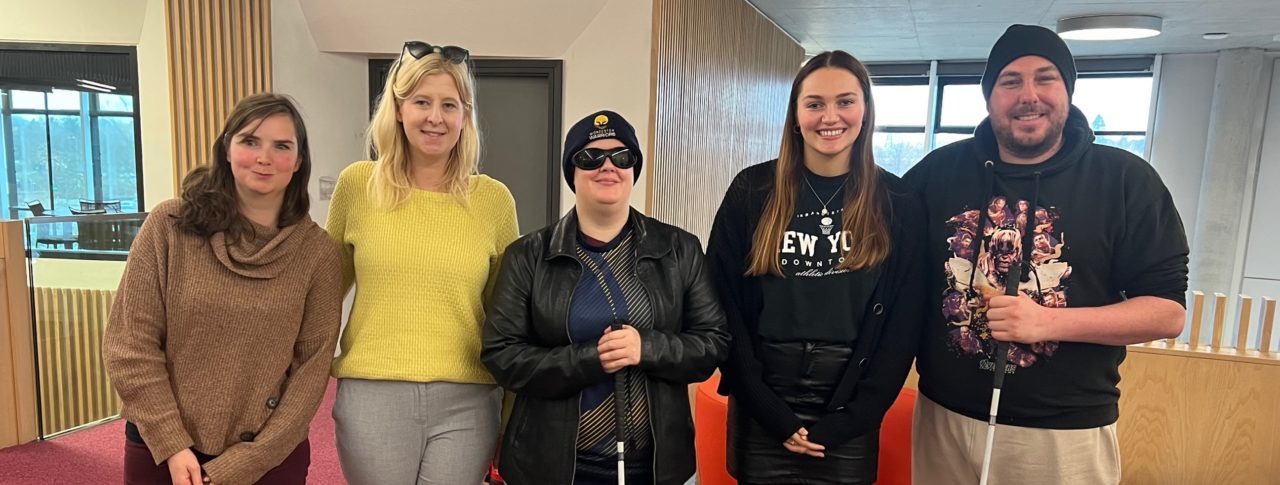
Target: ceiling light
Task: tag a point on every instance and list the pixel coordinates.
(1215, 35)
(101, 87)
(1109, 27)
(93, 88)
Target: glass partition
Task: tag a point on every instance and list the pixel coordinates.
(74, 267)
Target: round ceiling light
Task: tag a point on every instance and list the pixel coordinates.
(1109, 27)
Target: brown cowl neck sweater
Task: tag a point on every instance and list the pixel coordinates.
(222, 346)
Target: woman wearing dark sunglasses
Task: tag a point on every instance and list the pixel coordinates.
(421, 234)
(605, 306)
(817, 257)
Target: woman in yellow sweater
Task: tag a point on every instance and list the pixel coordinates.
(421, 235)
(222, 332)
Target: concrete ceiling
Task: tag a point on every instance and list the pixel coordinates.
(497, 28)
(908, 30)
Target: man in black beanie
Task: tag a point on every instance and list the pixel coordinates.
(1030, 177)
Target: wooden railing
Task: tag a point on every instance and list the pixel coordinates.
(1241, 326)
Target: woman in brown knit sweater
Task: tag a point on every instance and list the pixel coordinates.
(222, 332)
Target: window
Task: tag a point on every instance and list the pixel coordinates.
(68, 129)
(902, 111)
(67, 149)
(1117, 107)
(1113, 93)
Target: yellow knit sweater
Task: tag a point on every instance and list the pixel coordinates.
(421, 272)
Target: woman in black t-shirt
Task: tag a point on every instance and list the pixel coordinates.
(817, 262)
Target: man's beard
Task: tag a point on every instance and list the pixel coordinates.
(1009, 140)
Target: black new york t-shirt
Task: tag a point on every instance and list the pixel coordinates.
(816, 302)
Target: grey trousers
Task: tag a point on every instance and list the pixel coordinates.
(433, 433)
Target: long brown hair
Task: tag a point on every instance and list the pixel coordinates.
(209, 200)
(865, 198)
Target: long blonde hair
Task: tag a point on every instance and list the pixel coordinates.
(392, 180)
(865, 198)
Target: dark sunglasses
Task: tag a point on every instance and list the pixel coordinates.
(451, 53)
(593, 158)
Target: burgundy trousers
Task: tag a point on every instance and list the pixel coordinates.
(140, 468)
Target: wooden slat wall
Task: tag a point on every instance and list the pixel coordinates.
(219, 52)
(17, 362)
(74, 388)
(722, 75)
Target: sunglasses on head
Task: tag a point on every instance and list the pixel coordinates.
(593, 158)
(451, 53)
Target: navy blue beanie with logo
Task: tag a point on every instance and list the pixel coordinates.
(598, 126)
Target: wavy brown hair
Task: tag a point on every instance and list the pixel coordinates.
(209, 200)
(865, 198)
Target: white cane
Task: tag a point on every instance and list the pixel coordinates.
(1002, 359)
(620, 415)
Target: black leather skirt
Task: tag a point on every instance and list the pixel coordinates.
(803, 374)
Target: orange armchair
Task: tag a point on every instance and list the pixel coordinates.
(711, 414)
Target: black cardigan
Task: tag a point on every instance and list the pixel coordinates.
(887, 342)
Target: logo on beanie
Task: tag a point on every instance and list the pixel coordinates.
(601, 121)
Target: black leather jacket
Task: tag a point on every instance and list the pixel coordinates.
(527, 347)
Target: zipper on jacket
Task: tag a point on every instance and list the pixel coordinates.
(573, 470)
(653, 435)
(577, 410)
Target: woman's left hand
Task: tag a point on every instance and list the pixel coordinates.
(619, 348)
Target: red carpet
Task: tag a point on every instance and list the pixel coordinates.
(96, 455)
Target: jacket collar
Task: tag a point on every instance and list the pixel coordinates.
(563, 240)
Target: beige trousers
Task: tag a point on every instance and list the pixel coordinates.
(947, 449)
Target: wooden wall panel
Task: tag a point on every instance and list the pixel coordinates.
(1198, 418)
(219, 52)
(722, 74)
(17, 361)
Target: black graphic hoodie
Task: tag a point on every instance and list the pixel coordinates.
(1090, 226)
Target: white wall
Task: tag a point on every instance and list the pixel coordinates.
(1262, 259)
(1179, 139)
(608, 67)
(117, 22)
(138, 23)
(332, 91)
(1180, 133)
(496, 28)
(155, 108)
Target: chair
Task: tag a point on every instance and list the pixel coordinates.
(895, 440)
(112, 206)
(43, 236)
(37, 208)
(710, 422)
(95, 234)
(711, 416)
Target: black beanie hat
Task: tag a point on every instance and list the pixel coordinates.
(598, 126)
(1029, 40)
